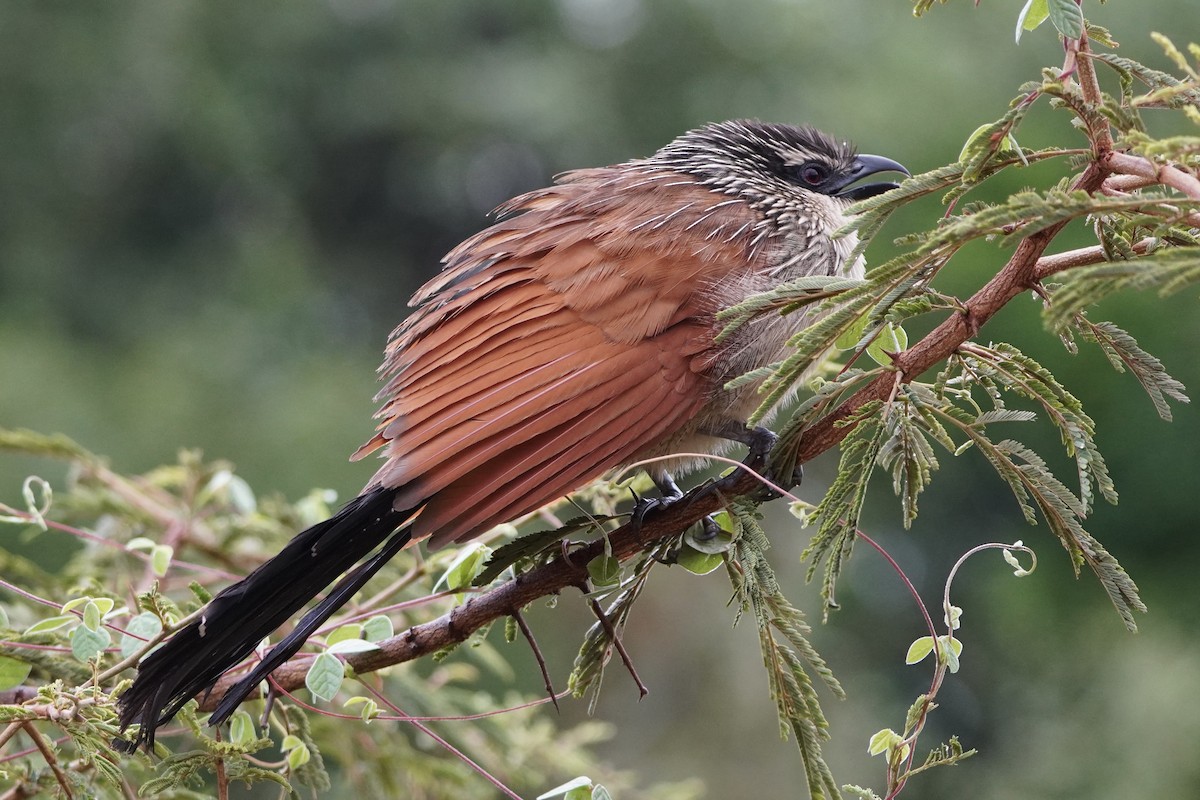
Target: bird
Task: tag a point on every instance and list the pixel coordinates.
(574, 335)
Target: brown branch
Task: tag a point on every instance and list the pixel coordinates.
(1178, 179)
(1090, 86)
(17, 695)
(48, 755)
(1083, 257)
(1137, 172)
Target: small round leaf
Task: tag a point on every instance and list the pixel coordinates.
(87, 644)
(604, 570)
(325, 676)
(13, 672)
(697, 562)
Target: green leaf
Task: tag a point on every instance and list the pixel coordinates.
(103, 604)
(949, 651)
(351, 631)
(697, 562)
(160, 558)
(351, 646)
(325, 676)
(51, 624)
(297, 751)
(892, 339)
(981, 139)
(564, 790)
(241, 729)
(918, 650)
(378, 628)
(224, 484)
(144, 625)
(13, 672)
(92, 616)
(849, 338)
(884, 741)
(370, 708)
(604, 570)
(1067, 18)
(953, 616)
(465, 566)
(1018, 570)
(1032, 15)
(87, 644)
(698, 539)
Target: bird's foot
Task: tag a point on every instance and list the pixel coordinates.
(759, 442)
(670, 494)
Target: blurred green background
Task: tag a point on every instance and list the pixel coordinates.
(213, 213)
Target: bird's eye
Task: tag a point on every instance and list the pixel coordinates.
(811, 173)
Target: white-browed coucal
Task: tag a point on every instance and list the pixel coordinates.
(574, 335)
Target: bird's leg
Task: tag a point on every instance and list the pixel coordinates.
(759, 441)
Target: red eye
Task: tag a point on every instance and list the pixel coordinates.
(812, 174)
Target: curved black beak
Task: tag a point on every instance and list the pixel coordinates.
(865, 165)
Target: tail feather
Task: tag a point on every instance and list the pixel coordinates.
(242, 615)
(288, 646)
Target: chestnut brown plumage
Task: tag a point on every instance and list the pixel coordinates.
(574, 335)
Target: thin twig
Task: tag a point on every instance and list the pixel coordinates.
(48, 755)
(613, 637)
(1090, 86)
(492, 779)
(12, 730)
(537, 654)
(222, 778)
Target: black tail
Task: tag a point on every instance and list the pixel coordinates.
(241, 616)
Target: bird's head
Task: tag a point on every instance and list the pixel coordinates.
(774, 166)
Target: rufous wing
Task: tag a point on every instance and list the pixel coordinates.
(556, 344)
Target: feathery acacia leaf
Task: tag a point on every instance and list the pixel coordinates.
(1123, 353)
(1013, 371)
(1168, 270)
(1178, 93)
(907, 452)
(1030, 479)
(785, 298)
(838, 512)
(789, 661)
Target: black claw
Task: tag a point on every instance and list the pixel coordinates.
(644, 505)
(760, 442)
(798, 475)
